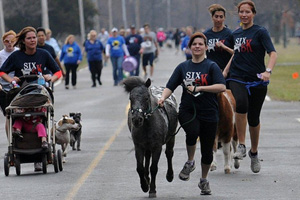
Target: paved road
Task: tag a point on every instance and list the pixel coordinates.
(105, 168)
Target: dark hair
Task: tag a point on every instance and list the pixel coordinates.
(21, 37)
(216, 7)
(250, 3)
(197, 35)
(145, 25)
(41, 29)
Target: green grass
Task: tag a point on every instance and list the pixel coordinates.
(282, 85)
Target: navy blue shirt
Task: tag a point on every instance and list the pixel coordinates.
(218, 54)
(23, 64)
(201, 74)
(250, 47)
(94, 51)
(48, 48)
(133, 43)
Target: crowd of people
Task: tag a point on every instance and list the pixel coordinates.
(211, 56)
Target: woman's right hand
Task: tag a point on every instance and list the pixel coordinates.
(161, 102)
(16, 79)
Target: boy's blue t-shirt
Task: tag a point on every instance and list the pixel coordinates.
(116, 44)
(94, 51)
(218, 54)
(250, 47)
(201, 74)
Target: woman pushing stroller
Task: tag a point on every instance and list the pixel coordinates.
(30, 60)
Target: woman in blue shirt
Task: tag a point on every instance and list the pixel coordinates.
(247, 65)
(94, 49)
(116, 49)
(71, 56)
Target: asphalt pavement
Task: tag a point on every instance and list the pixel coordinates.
(106, 167)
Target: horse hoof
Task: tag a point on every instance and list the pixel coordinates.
(152, 195)
(236, 163)
(213, 168)
(145, 188)
(170, 177)
(227, 171)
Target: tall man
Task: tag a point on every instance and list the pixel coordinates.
(133, 42)
(150, 48)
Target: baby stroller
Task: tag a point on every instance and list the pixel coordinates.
(31, 100)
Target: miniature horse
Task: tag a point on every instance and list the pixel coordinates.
(151, 127)
(226, 132)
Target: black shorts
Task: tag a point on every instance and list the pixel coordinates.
(148, 58)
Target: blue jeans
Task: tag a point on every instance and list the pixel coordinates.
(136, 72)
(117, 69)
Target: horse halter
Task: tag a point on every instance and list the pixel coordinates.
(147, 113)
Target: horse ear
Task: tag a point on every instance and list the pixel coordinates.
(148, 82)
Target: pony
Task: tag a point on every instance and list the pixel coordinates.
(226, 132)
(151, 127)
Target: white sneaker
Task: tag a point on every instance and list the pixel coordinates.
(255, 163)
(240, 152)
(37, 166)
(187, 169)
(204, 187)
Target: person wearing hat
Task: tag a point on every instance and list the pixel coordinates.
(133, 42)
(116, 49)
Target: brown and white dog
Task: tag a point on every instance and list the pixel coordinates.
(62, 132)
(226, 132)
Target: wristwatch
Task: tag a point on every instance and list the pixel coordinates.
(269, 70)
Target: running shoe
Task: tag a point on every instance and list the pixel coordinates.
(187, 169)
(204, 187)
(240, 152)
(255, 163)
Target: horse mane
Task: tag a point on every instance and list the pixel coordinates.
(134, 81)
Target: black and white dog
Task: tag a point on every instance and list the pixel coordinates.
(76, 134)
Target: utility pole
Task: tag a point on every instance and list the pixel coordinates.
(124, 14)
(168, 14)
(81, 20)
(96, 17)
(2, 24)
(45, 18)
(137, 14)
(110, 17)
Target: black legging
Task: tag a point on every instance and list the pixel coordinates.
(199, 128)
(246, 103)
(73, 69)
(96, 69)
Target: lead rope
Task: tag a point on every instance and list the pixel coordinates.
(194, 116)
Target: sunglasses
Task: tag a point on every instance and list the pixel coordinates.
(8, 41)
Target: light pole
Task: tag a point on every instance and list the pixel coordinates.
(45, 18)
(81, 20)
(2, 25)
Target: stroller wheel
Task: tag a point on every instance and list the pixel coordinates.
(59, 159)
(55, 162)
(44, 162)
(18, 165)
(6, 165)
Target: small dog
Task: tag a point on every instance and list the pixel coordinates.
(76, 134)
(62, 132)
